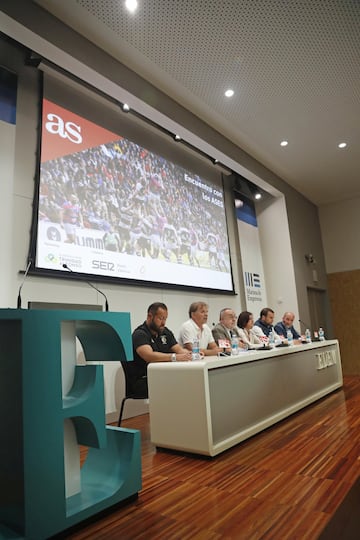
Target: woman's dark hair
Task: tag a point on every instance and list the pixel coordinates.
(243, 319)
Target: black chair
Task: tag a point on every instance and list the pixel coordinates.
(133, 390)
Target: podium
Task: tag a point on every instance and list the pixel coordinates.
(48, 407)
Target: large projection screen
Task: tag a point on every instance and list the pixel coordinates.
(111, 208)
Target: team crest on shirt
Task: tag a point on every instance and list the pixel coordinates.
(163, 340)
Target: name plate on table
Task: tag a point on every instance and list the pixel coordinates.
(325, 359)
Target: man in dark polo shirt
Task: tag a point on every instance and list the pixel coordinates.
(153, 342)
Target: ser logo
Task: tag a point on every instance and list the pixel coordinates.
(67, 130)
(103, 265)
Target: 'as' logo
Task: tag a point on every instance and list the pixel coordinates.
(66, 130)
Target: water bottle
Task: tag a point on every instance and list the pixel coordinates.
(321, 334)
(196, 348)
(290, 337)
(307, 336)
(234, 346)
(271, 339)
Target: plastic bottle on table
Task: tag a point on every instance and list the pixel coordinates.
(307, 336)
(290, 337)
(321, 334)
(271, 339)
(234, 346)
(196, 348)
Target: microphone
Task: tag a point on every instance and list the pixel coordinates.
(304, 324)
(22, 283)
(91, 285)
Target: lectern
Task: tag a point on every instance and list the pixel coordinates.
(48, 407)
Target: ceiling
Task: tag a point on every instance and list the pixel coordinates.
(294, 66)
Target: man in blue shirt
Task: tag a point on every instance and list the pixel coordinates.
(286, 324)
(265, 321)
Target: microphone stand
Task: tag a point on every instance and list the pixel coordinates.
(304, 325)
(90, 285)
(22, 283)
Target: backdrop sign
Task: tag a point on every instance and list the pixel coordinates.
(250, 249)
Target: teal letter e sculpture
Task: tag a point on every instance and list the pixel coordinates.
(48, 407)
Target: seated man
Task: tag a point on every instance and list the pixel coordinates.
(196, 327)
(286, 324)
(264, 324)
(153, 342)
(226, 329)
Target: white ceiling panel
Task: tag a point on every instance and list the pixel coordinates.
(294, 66)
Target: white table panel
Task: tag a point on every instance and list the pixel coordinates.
(208, 406)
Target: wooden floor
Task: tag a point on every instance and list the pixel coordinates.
(284, 483)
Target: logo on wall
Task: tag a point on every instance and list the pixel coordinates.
(253, 286)
(252, 279)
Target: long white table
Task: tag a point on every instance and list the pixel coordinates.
(208, 406)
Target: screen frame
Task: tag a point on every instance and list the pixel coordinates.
(85, 277)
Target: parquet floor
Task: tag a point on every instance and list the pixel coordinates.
(284, 483)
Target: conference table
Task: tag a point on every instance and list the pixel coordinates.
(209, 405)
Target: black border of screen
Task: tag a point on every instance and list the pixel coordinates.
(61, 274)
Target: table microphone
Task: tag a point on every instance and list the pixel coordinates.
(304, 325)
(22, 283)
(91, 285)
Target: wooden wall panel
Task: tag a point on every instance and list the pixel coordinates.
(344, 293)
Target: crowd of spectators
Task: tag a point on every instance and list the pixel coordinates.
(139, 200)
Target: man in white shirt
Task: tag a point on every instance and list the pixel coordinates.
(196, 327)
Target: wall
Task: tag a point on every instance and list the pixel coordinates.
(340, 224)
(302, 215)
(277, 258)
(7, 154)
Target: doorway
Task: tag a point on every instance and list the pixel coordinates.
(317, 309)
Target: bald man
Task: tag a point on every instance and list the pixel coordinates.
(286, 324)
(226, 329)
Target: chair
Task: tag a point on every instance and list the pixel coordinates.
(130, 391)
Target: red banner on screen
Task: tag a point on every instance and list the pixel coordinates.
(64, 132)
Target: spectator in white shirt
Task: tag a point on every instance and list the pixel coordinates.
(195, 327)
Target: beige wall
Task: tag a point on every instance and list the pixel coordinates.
(340, 225)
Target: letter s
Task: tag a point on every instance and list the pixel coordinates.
(73, 132)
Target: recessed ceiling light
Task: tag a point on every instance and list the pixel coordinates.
(284, 143)
(131, 5)
(177, 138)
(125, 107)
(257, 196)
(342, 145)
(229, 93)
